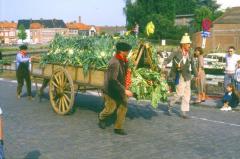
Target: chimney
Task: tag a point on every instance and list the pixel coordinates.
(79, 19)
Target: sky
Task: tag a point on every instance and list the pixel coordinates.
(92, 12)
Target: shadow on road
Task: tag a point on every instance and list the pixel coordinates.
(96, 104)
(35, 154)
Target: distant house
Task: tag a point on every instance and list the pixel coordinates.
(8, 33)
(79, 28)
(113, 29)
(43, 30)
(225, 32)
(184, 20)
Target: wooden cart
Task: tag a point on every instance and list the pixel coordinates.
(65, 82)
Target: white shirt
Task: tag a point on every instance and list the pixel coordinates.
(237, 75)
(231, 62)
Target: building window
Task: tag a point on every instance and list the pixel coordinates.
(12, 33)
(6, 33)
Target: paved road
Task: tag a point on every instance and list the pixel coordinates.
(34, 131)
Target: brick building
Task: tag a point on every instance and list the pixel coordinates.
(8, 33)
(42, 31)
(79, 28)
(113, 29)
(225, 32)
(184, 20)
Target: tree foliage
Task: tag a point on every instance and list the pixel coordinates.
(186, 7)
(162, 13)
(22, 32)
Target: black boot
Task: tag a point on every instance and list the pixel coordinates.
(169, 111)
(102, 124)
(120, 132)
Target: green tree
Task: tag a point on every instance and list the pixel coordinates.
(161, 12)
(211, 4)
(22, 32)
(186, 7)
(202, 13)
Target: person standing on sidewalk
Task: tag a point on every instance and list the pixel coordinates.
(1, 69)
(115, 92)
(23, 72)
(1, 136)
(237, 78)
(200, 80)
(182, 65)
(231, 63)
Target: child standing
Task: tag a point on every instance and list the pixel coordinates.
(230, 98)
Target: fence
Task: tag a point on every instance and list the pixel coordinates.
(8, 61)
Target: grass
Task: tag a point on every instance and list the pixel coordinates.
(11, 75)
(8, 49)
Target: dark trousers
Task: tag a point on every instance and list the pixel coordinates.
(21, 76)
(232, 100)
(44, 85)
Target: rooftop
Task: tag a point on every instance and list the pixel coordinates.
(231, 16)
(8, 25)
(45, 23)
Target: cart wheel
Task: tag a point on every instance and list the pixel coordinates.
(61, 91)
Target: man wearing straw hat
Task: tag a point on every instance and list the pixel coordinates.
(182, 65)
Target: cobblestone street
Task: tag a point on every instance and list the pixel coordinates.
(34, 131)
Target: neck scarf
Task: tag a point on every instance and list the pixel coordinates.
(121, 57)
(23, 53)
(184, 52)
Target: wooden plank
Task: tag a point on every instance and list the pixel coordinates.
(97, 78)
(36, 69)
(72, 71)
(81, 78)
(48, 70)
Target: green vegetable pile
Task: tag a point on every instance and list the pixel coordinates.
(95, 53)
(149, 85)
(88, 52)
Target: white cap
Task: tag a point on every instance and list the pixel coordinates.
(0, 111)
(185, 39)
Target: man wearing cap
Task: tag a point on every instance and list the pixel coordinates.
(182, 65)
(23, 72)
(115, 92)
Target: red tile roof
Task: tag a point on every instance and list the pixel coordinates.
(8, 25)
(35, 26)
(78, 26)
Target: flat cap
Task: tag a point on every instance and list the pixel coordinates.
(23, 47)
(122, 46)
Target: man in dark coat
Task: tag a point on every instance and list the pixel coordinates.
(115, 93)
(23, 72)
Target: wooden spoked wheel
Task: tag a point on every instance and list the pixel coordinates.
(61, 91)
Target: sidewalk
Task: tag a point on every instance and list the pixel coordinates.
(213, 101)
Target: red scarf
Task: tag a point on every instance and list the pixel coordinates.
(121, 57)
(128, 79)
(23, 53)
(184, 52)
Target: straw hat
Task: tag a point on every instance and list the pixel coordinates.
(185, 39)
